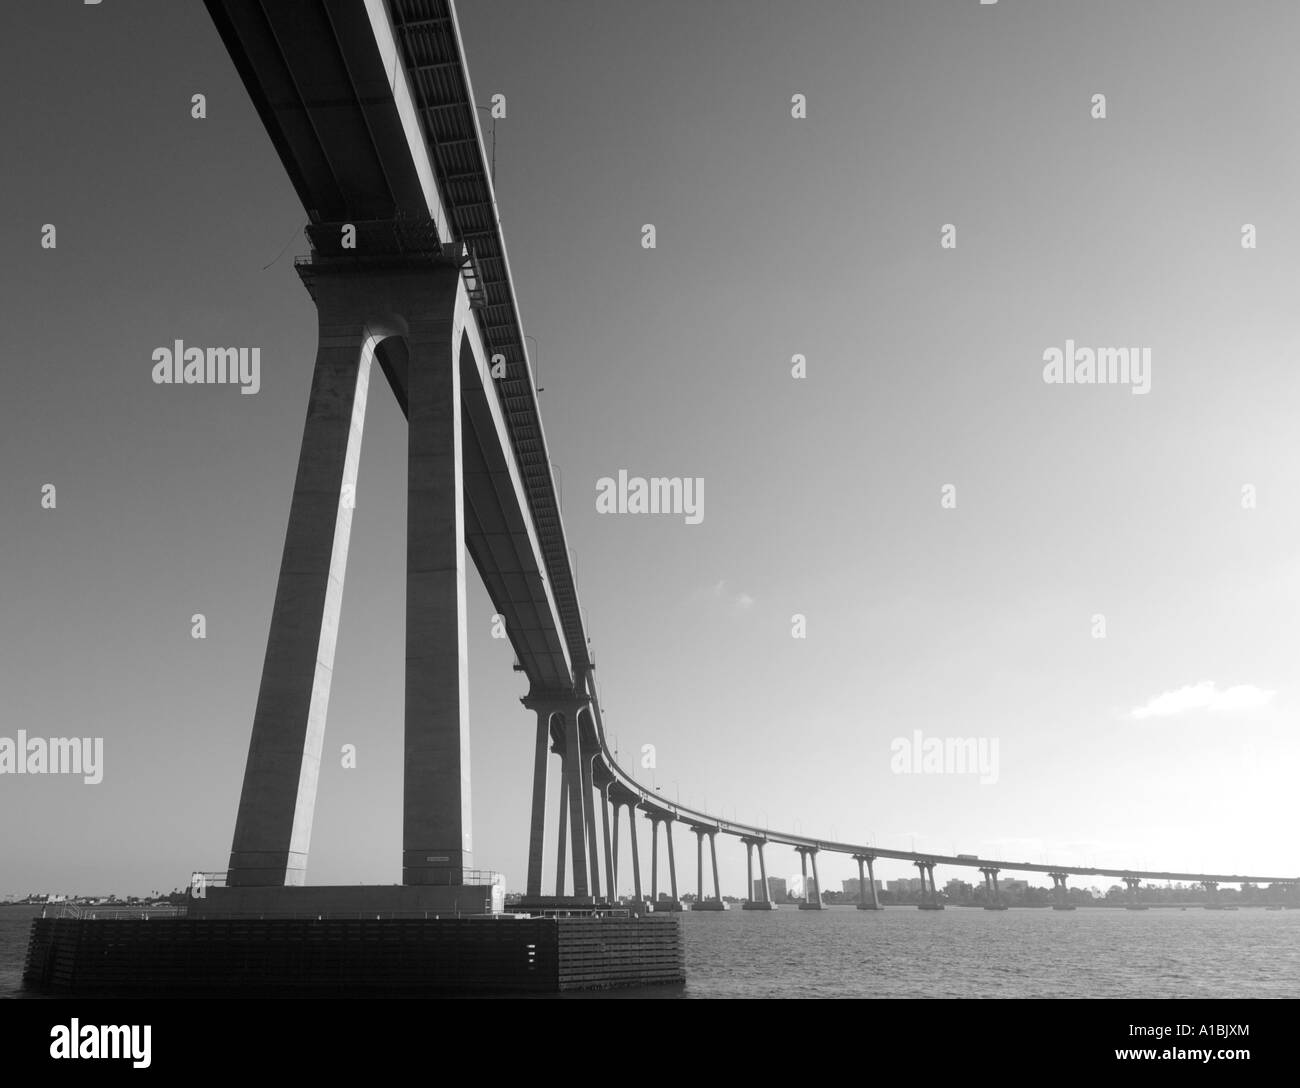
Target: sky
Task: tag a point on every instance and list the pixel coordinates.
(1169, 515)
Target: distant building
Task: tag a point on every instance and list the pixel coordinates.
(852, 887)
(775, 889)
(906, 886)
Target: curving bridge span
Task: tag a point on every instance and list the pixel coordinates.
(369, 106)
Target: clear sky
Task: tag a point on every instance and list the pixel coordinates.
(1169, 743)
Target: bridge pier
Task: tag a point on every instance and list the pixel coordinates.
(636, 860)
(701, 902)
(620, 796)
(1059, 892)
(1134, 883)
(420, 300)
(672, 903)
(589, 818)
(867, 884)
(991, 890)
(930, 900)
(561, 858)
(809, 902)
(553, 714)
(764, 900)
(713, 853)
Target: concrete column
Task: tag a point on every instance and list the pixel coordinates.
(537, 827)
(862, 887)
(611, 887)
(573, 778)
(699, 864)
(654, 860)
(920, 867)
(278, 799)
(672, 863)
(816, 879)
(762, 867)
(589, 816)
(560, 859)
(749, 871)
(713, 852)
(1133, 882)
(602, 793)
(613, 860)
(992, 893)
(803, 867)
(1059, 891)
(436, 809)
(636, 861)
(871, 882)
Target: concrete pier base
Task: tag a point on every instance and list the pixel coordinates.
(810, 906)
(669, 906)
(308, 957)
(930, 906)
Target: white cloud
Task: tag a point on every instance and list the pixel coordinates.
(1203, 696)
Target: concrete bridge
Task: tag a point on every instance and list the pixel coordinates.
(370, 107)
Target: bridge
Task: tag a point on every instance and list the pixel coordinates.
(370, 107)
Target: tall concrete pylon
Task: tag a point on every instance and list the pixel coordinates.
(416, 298)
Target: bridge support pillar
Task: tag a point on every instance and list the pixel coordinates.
(992, 893)
(764, 900)
(810, 901)
(573, 782)
(672, 864)
(930, 897)
(1212, 894)
(589, 817)
(357, 309)
(554, 714)
(1059, 893)
(703, 902)
(699, 865)
(1133, 883)
(561, 848)
(611, 875)
(866, 883)
(672, 903)
(636, 860)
